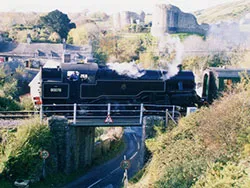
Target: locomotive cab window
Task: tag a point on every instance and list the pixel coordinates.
(84, 77)
(73, 75)
(228, 82)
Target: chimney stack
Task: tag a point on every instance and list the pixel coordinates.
(66, 58)
(29, 40)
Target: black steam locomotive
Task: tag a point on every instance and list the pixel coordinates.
(94, 84)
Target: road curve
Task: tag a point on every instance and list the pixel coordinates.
(110, 175)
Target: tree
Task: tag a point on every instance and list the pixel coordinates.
(78, 36)
(59, 22)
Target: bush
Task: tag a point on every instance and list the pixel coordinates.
(7, 104)
(26, 103)
(229, 175)
(22, 151)
(218, 135)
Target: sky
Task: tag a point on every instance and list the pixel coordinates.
(109, 6)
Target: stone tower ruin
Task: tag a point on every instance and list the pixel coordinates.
(170, 19)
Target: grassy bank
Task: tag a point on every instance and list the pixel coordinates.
(210, 148)
(20, 156)
(20, 149)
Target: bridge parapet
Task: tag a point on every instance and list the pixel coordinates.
(97, 115)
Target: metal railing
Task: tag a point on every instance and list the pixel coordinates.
(76, 112)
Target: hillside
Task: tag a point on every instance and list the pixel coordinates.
(209, 148)
(228, 11)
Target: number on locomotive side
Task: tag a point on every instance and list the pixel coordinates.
(56, 90)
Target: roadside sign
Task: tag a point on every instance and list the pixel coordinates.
(44, 154)
(108, 119)
(125, 164)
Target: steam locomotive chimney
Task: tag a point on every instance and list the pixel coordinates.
(180, 67)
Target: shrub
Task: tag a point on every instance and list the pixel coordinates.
(22, 151)
(7, 104)
(229, 175)
(216, 135)
(26, 103)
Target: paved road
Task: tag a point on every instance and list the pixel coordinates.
(110, 175)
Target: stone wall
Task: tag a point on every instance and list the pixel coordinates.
(73, 146)
(101, 148)
(170, 19)
(125, 18)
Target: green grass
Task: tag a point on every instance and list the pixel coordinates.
(209, 147)
(231, 11)
(5, 184)
(19, 156)
(137, 177)
(183, 36)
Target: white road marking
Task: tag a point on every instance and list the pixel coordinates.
(133, 156)
(138, 146)
(104, 177)
(95, 183)
(115, 170)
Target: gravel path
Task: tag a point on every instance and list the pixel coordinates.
(9, 123)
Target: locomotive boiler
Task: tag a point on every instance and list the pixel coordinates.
(94, 84)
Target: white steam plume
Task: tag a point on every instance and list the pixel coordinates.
(222, 37)
(129, 69)
(171, 45)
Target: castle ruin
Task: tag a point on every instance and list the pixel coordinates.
(125, 18)
(170, 19)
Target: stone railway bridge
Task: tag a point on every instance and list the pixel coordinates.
(74, 133)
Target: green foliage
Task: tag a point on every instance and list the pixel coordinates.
(137, 176)
(7, 104)
(26, 103)
(183, 36)
(99, 131)
(216, 135)
(220, 175)
(78, 36)
(54, 37)
(23, 149)
(101, 56)
(125, 48)
(6, 184)
(198, 63)
(58, 22)
(10, 89)
(2, 77)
